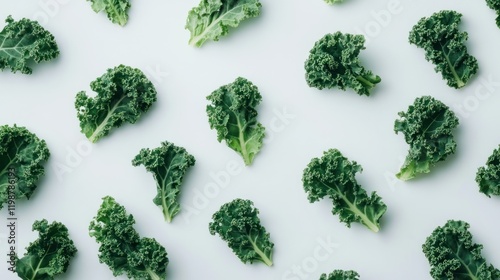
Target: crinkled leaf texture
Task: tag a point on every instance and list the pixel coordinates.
(444, 46)
(123, 95)
(452, 254)
(121, 247)
(234, 116)
(169, 164)
(237, 223)
(340, 275)
(22, 159)
(488, 177)
(333, 175)
(213, 18)
(334, 62)
(428, 127)
(117, 10)
(49, 255)
(495, 5)
(23, 42)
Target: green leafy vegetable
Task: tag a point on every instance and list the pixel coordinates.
(234, 116)
(453, 255)
(333, 175)
(49, 255)
(427, 125)
(488, 177)
(331, 2)
(117, 10)
(495, 5)
(334, 62)
(340, 275)
(444, 46)
(237, 223)
(22, 157)
(123, 95)
(213, 18)
(121, 247)
(168, 164)
(23, 42)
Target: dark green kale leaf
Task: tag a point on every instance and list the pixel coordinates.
(121, 247)
(333, 175)
(452, 254)
(123, 95)
(168, 164)
(49, 255)
(428, 127)
(23, 42)
(444, 46)
(334, 62)
(22, 159)
(237, 223)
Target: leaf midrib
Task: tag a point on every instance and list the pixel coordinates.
(215, 22)
(100, 127)
(459, 81)
(353, 208)
(3, 49)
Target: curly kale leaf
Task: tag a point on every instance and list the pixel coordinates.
(49, 255)
(121, 247)
(117, 10)
(488, 177)
(452, 254)
(340, 275)
(495, 5)
(237, 223)
(444, 46)
(168, 164)
(213, 18)
(334, 62)
(22, 159)
(333, 175)
(234, 116)
(427, 125)
(123, 95)
(24, 41)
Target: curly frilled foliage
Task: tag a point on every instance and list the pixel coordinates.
(428, 126)
(444, 46)
(233, 114)
(238, 224)
(333, 175)
(334, 63)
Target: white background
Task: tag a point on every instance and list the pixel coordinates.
(270, 51)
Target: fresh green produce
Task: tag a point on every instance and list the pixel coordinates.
(168, 164)
(123, 95)
(340, 275)
(49, 255)
(428, 128)
(444, 46)
(22, 159)
(334, 62)
(234, 116)
(452, 254)
(117, 10)
(121, 247)
(488, 177)
(331, 2)
(495, 5)
(24, 42)
(212, 19)
(333, 175)
(237, 223)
